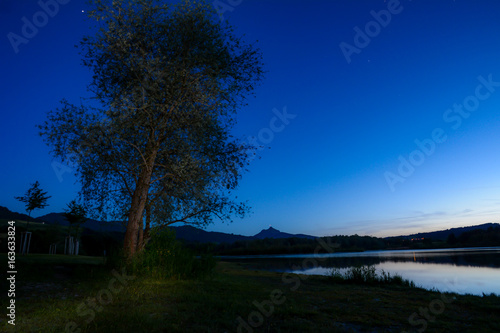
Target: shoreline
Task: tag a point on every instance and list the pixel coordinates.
(239, 299)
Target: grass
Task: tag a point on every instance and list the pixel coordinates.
(369, 276)
(234, 295)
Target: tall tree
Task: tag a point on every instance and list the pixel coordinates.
(35, 198)
(170, 79)
(75, 215)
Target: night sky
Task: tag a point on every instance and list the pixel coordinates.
(381, 117)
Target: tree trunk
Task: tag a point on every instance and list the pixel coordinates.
(144, 233)
(148, 223)
(140, 240)
(135, 216)
(139, 199)
(28, 224)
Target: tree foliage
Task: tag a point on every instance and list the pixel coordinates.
(169, 80)
(75, 215)
(35, 198)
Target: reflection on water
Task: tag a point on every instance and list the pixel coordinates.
(470, 270)
(445, 277)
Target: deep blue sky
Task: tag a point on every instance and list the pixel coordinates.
(355, 122)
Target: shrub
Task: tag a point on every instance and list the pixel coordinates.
(363, 274)
(368, 275)
(165, 257)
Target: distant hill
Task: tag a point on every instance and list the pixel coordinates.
(59, 219)
(192, 234)
(274, 233)
(186, 232)
(5, 213)
(443, 234)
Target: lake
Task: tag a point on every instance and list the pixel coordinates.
(462, 271)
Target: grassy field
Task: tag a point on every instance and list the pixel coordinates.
(57, 294)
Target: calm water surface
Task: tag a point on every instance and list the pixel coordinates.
(463, 271)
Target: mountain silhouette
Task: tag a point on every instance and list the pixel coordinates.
(274, 233)
(5, 213)
(443, 234)
(193, 234)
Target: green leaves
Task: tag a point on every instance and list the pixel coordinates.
(170, 80)
(35, 198)
(75, 213)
